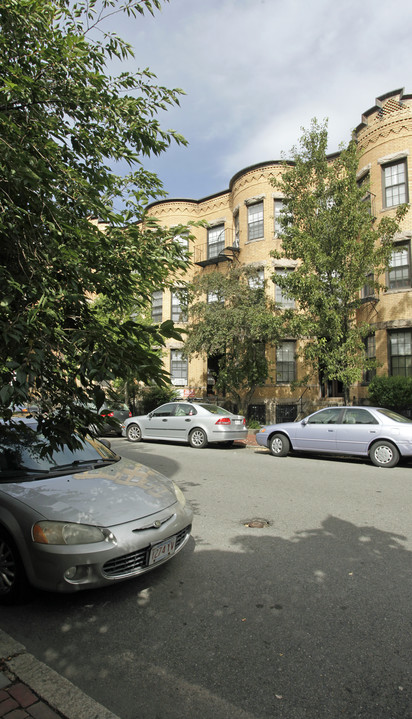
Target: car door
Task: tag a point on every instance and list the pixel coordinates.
(182, 421)
(358, 428)
(157, 424)
(317, 433)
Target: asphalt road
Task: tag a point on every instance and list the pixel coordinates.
(306, 617)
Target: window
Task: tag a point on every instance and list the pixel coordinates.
(394, 179)
(368, 289)
(400, 267)
(179, 312)
(326, 416)
(166, 410)
(157, 306)
(257, 281)
(281, 297)
(400, 353)
(278, 207)
(212, 297)
(285, 362)
(178, 367)
(215, 240)
(370, 351)
(255, 221)
(358, 416)
(237, 231)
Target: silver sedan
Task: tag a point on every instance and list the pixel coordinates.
(192, 422)
(381, 434)
(79, 519)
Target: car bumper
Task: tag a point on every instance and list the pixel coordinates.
(69, 569)
(262, 439)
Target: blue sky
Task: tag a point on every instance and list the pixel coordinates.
(256, 71)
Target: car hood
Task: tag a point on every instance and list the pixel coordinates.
(106, 496)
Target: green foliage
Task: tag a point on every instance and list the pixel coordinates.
(327, 227)
(236, 327)
(391, 392)
(152, 397)
(63, 123)
(253, 424)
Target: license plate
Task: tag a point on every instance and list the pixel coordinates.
(162, 550)
(238, 421)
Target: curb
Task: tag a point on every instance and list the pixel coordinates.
(57, 692)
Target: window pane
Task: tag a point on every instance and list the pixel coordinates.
(285, 362)
(178, 367)
(394, 177)
(278, 207)
(179, 313)
(281, 297)
(215, 240)
(399, 267)
(157, 303)
(255, 221)
(400, 347)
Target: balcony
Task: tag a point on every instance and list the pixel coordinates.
(223, 249)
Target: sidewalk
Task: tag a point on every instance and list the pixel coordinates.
(29, 689)
(250, 441)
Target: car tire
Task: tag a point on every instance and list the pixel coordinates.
(14, 586)
(134, 433)
(279, 445)
(384, 454)
(198, 438)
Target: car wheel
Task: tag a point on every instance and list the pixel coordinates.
(13, 581)
(384, 454)
(198, 438)
(134, 433)
(279, 445)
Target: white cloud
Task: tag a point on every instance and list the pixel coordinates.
(256, 71)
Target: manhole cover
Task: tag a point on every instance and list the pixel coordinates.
(257, 523)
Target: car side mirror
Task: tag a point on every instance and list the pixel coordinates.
(304, 422)
(150, 415)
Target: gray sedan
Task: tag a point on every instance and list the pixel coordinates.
(78, 519)
(381, 434)
(192, 422)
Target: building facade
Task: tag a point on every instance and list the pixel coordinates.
(241, 225)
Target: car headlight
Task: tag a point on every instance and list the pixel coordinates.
(69, 533)
(179, 495)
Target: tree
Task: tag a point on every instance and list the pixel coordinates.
(393, 392)
(328, 228)
(64, 123)
(232, 319)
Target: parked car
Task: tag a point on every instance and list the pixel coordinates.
(192, 422)
(381, 434)
(118, 412)
(80, 519)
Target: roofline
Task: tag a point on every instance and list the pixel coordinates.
(378, 105)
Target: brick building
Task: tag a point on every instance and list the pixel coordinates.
(242, 227)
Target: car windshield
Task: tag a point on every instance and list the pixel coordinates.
(22, 455)
(395, 416)
(214, 409)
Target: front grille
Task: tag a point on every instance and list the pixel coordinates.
(137, 562)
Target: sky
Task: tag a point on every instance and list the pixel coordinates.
(255, 72)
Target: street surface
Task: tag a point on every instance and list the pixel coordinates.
(306, 617)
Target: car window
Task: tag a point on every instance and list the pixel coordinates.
(326, 416)
(185, 410)
(359, 416)
(214, 409)
(395, 416)
(166, 410)
(20, 455)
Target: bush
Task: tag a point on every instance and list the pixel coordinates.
(152, 397)
(391, 392)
